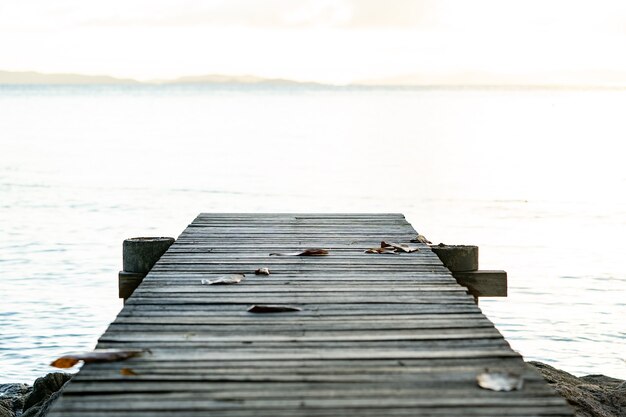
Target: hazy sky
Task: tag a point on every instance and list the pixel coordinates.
(324, 40)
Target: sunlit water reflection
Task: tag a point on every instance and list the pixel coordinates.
(535, 178)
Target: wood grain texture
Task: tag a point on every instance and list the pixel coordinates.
(391, 335)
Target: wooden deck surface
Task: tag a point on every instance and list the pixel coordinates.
(378, 335)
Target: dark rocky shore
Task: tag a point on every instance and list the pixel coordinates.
(22, 400)
(590, 396)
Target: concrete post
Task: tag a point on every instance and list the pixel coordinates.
(139, 254)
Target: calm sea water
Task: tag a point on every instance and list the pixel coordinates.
(535, 178)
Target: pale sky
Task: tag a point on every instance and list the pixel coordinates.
(321, 40)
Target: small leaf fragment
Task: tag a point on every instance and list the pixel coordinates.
(224, 280)
(421, 239)
(315, 252)
(273, 308)
(262, 271)
(399, 247)
(128, 372)
(306, 252)
(108, 355)
(387, 251)
(392, 248)
(500, 380)
(64, 362)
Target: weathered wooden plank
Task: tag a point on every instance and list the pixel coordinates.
(170, 324)
(320, 346)
(296, 335)
(389, 226)
(294, 268)
(311, 320)
(291, 352)
(412, 411)
(299, 215)
(191, 401)
(279, 281)
(244, 246)
(427, 365)
(459, 387)
(198, 288)
(311, 310)
(387, 259)
(171, 299)
(222, 390)
(317, 277)
(484, 283)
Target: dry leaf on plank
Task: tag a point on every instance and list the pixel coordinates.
(500, 381)
(273, 308)
(127, 372)
(307, 252)
(224, 280)
(108, 355)
(386, 251)
(399, 247)
(421, 239)
(262, 271)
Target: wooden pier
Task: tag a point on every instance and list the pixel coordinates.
(377, 334)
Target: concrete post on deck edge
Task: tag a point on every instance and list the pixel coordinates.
(139, 254)
(462, 261)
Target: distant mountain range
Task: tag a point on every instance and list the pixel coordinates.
(30, 77)
(229, 79)
(596, 78)
(606, 79)
(11, 77)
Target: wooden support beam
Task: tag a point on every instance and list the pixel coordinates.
(128, 282)
(462, 261)
(483, 283)
(457, 257)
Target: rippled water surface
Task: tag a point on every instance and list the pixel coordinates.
(535, 178)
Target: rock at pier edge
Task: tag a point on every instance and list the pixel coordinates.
(21, 400)
(591, 395)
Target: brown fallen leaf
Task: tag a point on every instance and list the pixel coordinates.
(421, 239)
(306, 252)
(262, 271)
(128, 372)
(387, 251)
(224, 280)
(273, 308)
(500, 380)
(108, 355)
(399, 247)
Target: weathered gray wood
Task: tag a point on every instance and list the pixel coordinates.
(391, 335)
(128, 282)
(289, 389)
(374, 412)
(457, 257)
(484, 283)
(312, 309)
